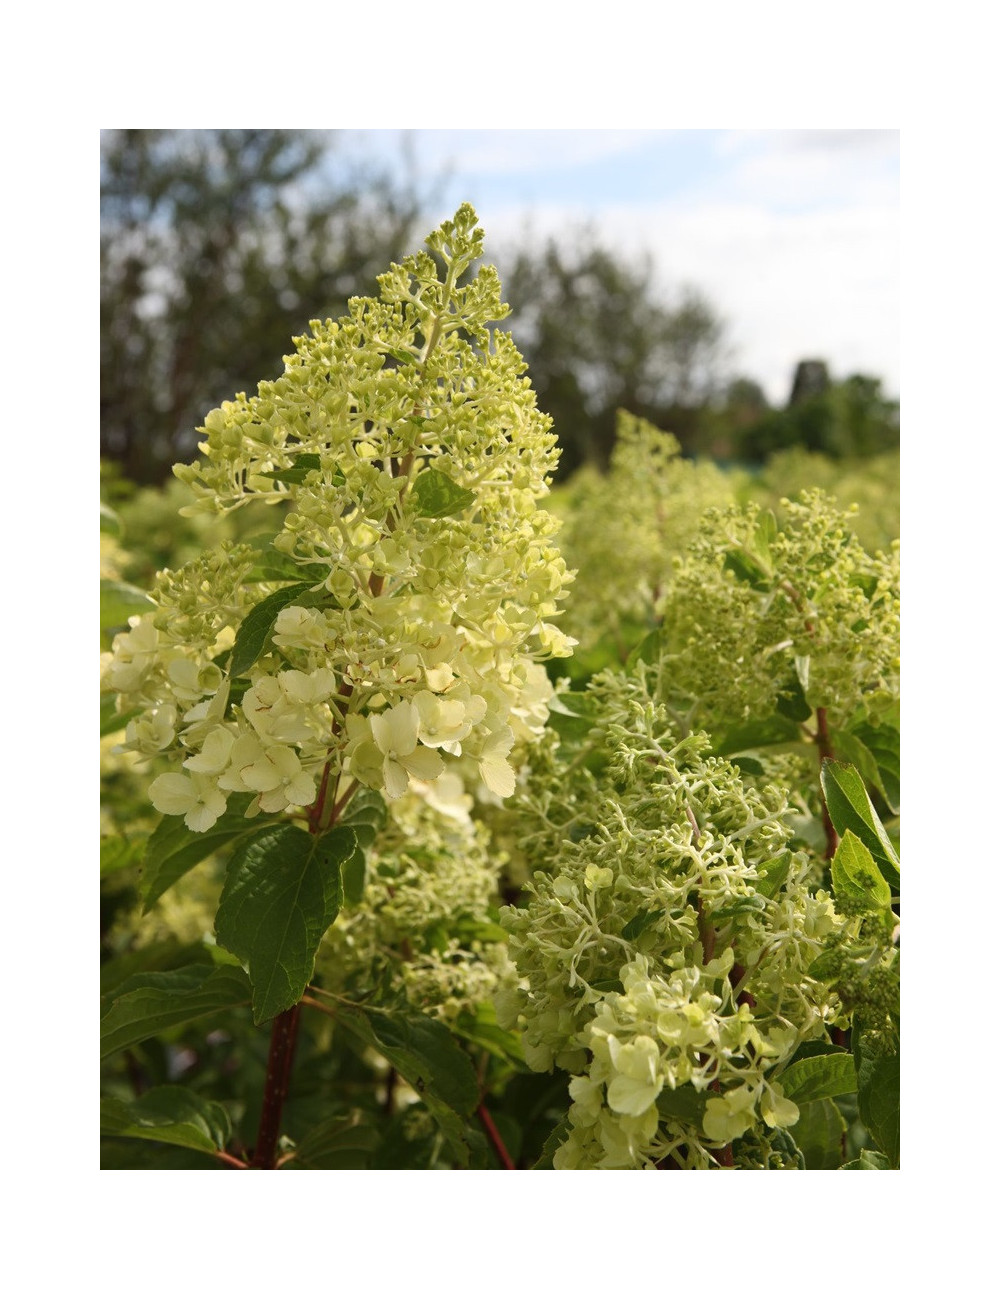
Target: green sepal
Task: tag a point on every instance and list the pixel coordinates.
(147, 1004)
(168, 1114)
(283, 891)
(857, 881)
(119, 601)
(851, 809)
(816, 1077)
(255, 631)
(172, 849)
(437, 496)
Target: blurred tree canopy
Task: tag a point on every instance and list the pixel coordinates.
(598, 338)
(217, 247)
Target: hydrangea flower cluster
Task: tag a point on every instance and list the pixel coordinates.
(393, 626)
(755, 610)
(663, 956)
(624, 527)
(421, 933)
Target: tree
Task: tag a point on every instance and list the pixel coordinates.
(215, 247)
(597, 338)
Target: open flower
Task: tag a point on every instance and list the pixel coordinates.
(196, 798)
(395, 732)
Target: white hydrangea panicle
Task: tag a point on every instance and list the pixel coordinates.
(405, 458)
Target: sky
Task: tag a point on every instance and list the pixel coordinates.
(792, 235)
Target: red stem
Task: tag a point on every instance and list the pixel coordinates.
(494, 1136)
(284, 1032)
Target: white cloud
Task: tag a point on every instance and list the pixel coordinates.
(791, 285)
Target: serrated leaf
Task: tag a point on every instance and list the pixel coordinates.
(878, 1095)
(819, 1134)
(851, 809)
(437, 496)
(482, 1029)
(353, 873)
(792, 702)
(430, 1060)
(816, 1077)
(856, 878)
(255, 631)
(749, 568)
(147, 1004)
(282, 893)
(168, 1114)
(119, 601)
(366, 815)
(422, 1050)
(172, 850)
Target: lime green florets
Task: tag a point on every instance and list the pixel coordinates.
(757, 614)
(404, 457)
(663, 955)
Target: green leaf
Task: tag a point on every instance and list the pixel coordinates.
(296, 472)
(119, 601)
(868, 1160)
(552, 1144)
(750, 568)
(366, 815)
(878, 1094)
(482, 1029)
(149, 1003)
(819, 1134)
(437, 496)
(169, 1114)
(111, 719)
(648, 650)
(852, 749)
(750, 737)
(851, 809)
(422, 1050)
(341, 1142)
(792, 702)
(172, 849)
(772, 874)
(684, 1104)
(430, 1060)
(857, 881)
(744, 906)
(641, 921)
(121, 851)
(282, 893)
(255, 631)
(816, 1077)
